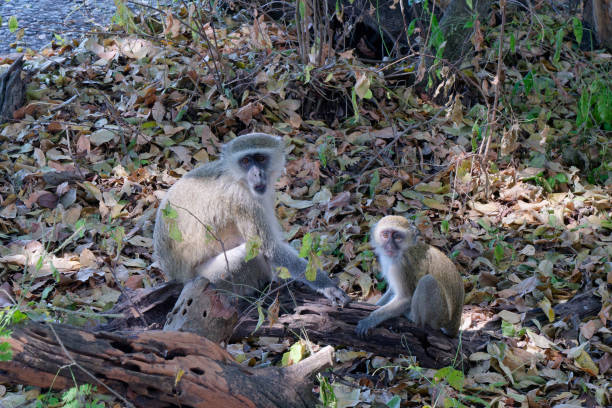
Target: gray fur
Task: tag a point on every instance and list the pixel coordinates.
(423, 283)
(216, 198)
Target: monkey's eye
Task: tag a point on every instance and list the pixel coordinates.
(398, 236)
(385, 234)
(245, 161)
(261, 158)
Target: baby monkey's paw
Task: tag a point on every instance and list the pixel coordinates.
(336, 296)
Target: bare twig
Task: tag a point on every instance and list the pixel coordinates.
(486, 142)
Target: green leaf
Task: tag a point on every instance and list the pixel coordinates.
(169, 212)
(46, 292)
(174, 232)
(12, 24)
(512, 43)
(454, 377)
(311, 269)
(302, 8)
(252, 248)
(294, 355)
(561, 178)
(18, 316)
(528, 82)
(55, 272)
(261, 317)
(499, 252)
(39, 263)
(282, 272)
(322, 155)
(80, 226)
(6, 354)
(577, 27)
(180, 115)
(374, 181)
(507, 328)
(469, 4)
(411, 28)
(394, 402)
(306, 246)
(444, 227)
(484, 224)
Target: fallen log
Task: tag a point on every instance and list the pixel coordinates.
(305, 314)
(308, 315)
(315, 319)
(166, 368)
(154, 368)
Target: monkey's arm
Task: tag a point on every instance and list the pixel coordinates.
(384, 299)
(396, 307)
(254, 222)
(283, 255)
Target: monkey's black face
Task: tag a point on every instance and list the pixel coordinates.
(255, 166)
(392, 241)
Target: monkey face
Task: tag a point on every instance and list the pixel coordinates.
(392, 241)
(255, 166)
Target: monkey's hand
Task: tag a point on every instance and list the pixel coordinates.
(336, 295)
(364, 326)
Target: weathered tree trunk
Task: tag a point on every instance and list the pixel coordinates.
(12, 90)
(313, 316)
(598, 15)
(155, 368)
(163, 368)
(327, 324)
(332, 325)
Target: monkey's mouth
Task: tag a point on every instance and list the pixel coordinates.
(259, 188)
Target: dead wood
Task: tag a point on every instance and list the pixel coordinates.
(155, 368)
(203, 310)
(12, 90)
(598, 17)
(145, 366)
(314, 318)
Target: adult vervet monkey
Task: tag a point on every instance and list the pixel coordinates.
(423, 283)
(231, 201)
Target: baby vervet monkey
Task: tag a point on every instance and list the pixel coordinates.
(423, 283)
(222, 205)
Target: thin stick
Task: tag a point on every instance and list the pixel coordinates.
(483, 153)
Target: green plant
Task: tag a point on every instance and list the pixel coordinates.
(76, 397)
(8, 317)
(496, 241)
(312, 250)
(326, 392)
(595, 106)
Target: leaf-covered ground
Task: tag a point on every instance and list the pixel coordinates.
(112, 122)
